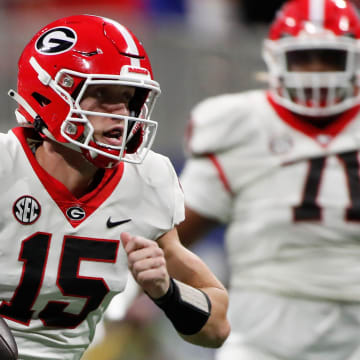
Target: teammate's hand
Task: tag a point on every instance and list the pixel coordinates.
(147, 264)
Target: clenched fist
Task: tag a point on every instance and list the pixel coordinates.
(147, 264)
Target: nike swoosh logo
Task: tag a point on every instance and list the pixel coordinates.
(111, 224)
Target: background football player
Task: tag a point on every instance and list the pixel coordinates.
(281, 169)
(78, 173)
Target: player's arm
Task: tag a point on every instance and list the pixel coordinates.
(199, 178)
(196, 302)
(188, 268)
(194, 227)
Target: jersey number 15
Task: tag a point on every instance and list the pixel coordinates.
(34, 254)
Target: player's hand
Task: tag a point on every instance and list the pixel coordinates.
(147, 264)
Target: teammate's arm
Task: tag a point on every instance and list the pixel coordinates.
(154, 265)
(195, 227)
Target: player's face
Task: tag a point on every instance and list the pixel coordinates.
(111, 99)
(316, 61)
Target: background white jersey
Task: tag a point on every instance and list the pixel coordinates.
(290, 194)
(61, 259)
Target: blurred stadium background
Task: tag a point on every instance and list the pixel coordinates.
(198, 48)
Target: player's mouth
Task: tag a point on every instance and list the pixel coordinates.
(113, 137)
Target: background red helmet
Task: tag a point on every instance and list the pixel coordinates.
(58, 65)
(304, 30)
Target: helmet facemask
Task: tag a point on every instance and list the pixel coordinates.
(135, 125)
(78, 132)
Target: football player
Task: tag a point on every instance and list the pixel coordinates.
(281, 168)
(84, 198)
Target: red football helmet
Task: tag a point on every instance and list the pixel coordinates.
(59, 64)
(304, 33)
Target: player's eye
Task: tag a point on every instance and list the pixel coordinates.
(110, 94)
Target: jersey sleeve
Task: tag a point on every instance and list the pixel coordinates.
(178, 209)
(164, 193)
(220, 123)
(8, 148)
(217, 125)
(204, 190)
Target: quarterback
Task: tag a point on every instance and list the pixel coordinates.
(84, 199)
(281, 168)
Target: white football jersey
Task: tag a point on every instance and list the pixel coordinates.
(289, 193)
(61, 259)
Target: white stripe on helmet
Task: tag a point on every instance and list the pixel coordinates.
(317, 11)
(133, 49)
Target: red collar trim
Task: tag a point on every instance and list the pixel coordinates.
(331, 130)
(90, 202)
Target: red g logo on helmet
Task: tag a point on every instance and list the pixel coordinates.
(56, 41)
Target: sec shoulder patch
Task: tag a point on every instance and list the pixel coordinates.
(26, 210)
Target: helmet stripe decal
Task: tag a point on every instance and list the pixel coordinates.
(130, 42)
(316, 11)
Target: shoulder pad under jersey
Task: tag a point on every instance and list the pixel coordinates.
(159, 174)
(221, 122)
(8, 148)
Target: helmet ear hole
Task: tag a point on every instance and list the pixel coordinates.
(41, 99)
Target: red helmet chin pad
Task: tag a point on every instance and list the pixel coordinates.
(100, 161)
